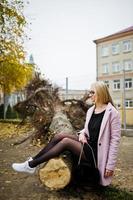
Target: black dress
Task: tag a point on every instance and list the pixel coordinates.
(94, 128)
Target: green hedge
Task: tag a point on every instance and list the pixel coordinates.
(10, 113)
(2, 111)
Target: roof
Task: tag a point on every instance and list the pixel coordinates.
(125, 30)
(122, 33)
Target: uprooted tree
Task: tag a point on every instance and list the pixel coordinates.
(49, 115)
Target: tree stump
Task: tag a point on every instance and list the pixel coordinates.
(57, 172)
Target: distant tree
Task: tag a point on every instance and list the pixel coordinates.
(14, 71)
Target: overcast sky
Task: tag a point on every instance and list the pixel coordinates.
(62, 34)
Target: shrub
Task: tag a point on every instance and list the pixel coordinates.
(11, 113)
(2, 111)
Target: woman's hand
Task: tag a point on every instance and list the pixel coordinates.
(82, 138)
(108, 173)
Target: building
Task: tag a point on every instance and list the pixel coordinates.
(71, 94)
(115, 67)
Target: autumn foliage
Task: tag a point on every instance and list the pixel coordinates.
(14, 71)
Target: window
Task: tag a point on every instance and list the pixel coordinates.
(127, 46)
(115, 48)
(116, 67)
(116, 84)
(107, 83)
(128, 83)
(129, 103)
(105, 51)
(105, 68)
(127, 65)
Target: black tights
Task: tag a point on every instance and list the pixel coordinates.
(60, 143)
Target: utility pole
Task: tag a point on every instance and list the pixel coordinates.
(124, 97)
(66, 96)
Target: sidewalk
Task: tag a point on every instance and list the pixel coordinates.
(127, 132)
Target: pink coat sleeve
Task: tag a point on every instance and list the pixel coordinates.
(115, 135)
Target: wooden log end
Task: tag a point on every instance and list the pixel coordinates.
(55, 174)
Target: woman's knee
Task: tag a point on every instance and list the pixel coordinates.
(59, 136)
(66, 141)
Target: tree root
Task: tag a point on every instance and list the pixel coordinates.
(30, 136)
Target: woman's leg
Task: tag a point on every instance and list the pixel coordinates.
(65, 144)
(57, 138)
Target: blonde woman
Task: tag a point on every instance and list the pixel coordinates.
(101, 131)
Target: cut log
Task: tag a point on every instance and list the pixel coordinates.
(57, 172)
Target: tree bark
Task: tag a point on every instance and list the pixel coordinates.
(57, 172)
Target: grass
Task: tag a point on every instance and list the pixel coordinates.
(97, 193)
(13, 121)
(114, 193)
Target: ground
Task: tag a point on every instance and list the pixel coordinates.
(20, 186)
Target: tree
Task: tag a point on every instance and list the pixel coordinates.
(14, 71)
(12, 23)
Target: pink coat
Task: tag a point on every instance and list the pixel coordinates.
(108, 141)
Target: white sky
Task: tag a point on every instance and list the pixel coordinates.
(62, 34)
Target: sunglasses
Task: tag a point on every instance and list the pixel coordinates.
(91, 92)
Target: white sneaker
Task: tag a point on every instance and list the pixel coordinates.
(23, 167)
(29, 159)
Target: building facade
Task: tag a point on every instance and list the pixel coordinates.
(71, 94)
(115, 67)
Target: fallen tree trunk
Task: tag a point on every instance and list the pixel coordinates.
(48, 115)
(57, 172)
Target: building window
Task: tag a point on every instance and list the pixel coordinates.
(128, 83)
(129, 103)
(115, 48)
(127, 45)
(116, 84)
(127, 65)
(116, 67)
(107, 83)
(105, 51)
(105, 68)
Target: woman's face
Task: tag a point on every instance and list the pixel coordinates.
(92, 94)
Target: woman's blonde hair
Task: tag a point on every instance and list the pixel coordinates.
(102, 92)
